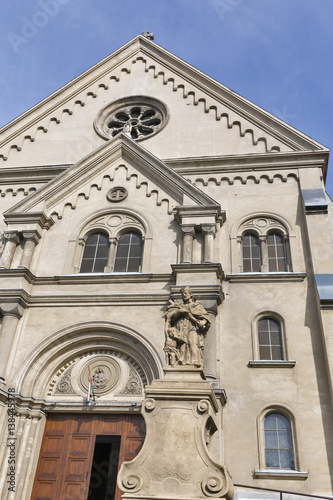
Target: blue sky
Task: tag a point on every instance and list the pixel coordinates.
(277, 53)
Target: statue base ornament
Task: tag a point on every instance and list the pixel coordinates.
(180, 412)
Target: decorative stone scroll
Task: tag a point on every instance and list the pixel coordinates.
(180, 415)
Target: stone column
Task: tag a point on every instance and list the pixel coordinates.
(287, 252)
(112, 253)
(25, 454)
(210, 353)
(263, 253)
(31, 239)
(26, 432)
(188, 233)
(208, 231)
(11, 312)
(12, 239)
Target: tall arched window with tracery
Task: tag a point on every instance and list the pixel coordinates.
(129, 253)
(96, 253)
(117, 241)
(251, 253)
(263, 246)
(276, 252)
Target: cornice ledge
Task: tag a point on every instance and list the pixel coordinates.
(271, 364)
(326, 304)
(265, 277)
(92, 278)
(39, 218)
(280, 474)
(203, 292)
(36, 173)
(18, 273)
(199, 268)
(19, 296)
(250, 161)
(28, 405)
(213, 210)
(98, 299)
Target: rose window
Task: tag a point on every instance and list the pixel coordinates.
(140, 117)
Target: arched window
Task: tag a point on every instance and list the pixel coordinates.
(96, 253)
(276, 252)
(279, 452)
(270, 339)
(251, 253)
(261, 245)
(129, 253)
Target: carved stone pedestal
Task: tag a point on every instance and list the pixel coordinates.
(180, 413)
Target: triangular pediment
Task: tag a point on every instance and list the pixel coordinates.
(205, 117)
(118, 160)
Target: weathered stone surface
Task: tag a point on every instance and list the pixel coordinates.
(180, 413)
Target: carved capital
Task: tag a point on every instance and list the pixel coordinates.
(187, 230)
(209, 229)
(12, 236)
(31, 236)
(11, 309)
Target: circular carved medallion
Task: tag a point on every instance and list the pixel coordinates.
(117, 194)
(105, 374)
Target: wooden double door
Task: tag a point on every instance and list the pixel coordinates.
(81, 454)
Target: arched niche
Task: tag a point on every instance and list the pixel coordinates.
(118, 349)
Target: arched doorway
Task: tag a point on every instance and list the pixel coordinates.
(81, 454)
(73, 436)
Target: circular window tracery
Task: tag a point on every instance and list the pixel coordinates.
(138, 116)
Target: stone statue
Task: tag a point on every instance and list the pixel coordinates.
(186, 326)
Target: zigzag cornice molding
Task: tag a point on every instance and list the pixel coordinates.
(124, 150)
(17, 191)
(215, 90)
(71, 105)
(149, 192)
(205, 181)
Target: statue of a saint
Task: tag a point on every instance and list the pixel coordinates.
(186, 326)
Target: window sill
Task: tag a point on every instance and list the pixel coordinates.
(263, 277)
(271, 364)
(280, 474)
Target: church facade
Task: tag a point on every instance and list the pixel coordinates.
(139, 178)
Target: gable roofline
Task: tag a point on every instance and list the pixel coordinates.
(272, 125)
(121, 147)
